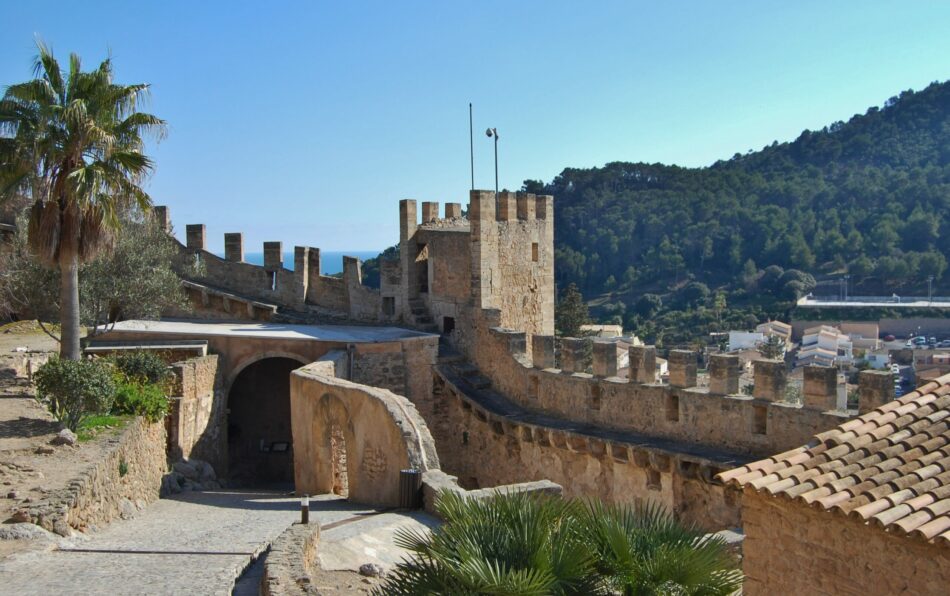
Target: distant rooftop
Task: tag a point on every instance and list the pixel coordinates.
(893, 301)
(336, 333)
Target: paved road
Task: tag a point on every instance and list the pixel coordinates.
(195, 543)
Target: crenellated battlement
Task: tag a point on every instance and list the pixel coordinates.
(717, 415)
(222, 282)
(450, 269)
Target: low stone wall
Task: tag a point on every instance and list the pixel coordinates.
(435, 482)
(290, 561)
(126, 480)
(24, 364)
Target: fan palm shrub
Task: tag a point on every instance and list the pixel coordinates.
(524, 544)
(72, 142)
(645, 551)
(508, 544)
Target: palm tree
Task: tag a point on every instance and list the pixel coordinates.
(73, 143)
(508, 544)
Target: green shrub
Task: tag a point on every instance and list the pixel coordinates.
(530, 544)
(140, 399)
(142, 366)
(75, 389)
(91, 426)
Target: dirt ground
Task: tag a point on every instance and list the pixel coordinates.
(25, 334)
(29, 465)
(327, 583)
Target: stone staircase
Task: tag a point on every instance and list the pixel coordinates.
(421, 319)
(462, 368)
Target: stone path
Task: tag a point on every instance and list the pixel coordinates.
(349, 544)
(193, 543)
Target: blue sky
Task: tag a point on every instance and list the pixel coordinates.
(307, 122)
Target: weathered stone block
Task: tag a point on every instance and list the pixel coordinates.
(234, 247)
(605, 358)
(481, 209)
(542, 351)
(407, 219)
(195, 236)
(515, 341)
(162, 217)
(642, 364)
(430, 211)
(453, 210)
(507, 208)
(724, 374)
(620, 452)
(572, 354)
(875, 388)
(273, 256)
(682, 364)
(597, 447)
(820, 387)
(544, 207)
(526, 205)
(769, 380)
(578, 443)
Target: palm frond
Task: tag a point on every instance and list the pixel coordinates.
(46, 67)
(39, 91)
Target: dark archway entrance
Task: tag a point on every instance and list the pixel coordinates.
(260, 444)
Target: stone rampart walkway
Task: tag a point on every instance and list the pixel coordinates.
(194, 543)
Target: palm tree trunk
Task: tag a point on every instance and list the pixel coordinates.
(69, 309)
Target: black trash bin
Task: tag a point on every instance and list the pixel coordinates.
(410, 489)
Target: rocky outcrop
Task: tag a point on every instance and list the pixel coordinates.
(187, 475)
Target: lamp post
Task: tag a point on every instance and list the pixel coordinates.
(493, 132)
(471, 143)
(305, 509)
(930, 288)
(846, 279)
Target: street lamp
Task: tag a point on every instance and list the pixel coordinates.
(930, 288)
(846, 278)
(493, 132)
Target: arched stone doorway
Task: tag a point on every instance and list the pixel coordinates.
(260, 443)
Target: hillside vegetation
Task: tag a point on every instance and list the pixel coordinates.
(676, 253)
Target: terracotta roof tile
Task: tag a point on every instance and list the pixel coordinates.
(889, 467)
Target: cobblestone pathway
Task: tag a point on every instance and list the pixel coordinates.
(195, 543)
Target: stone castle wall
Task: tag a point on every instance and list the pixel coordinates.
(793, 549)
(755, 425)
(197, 420)
(485, 449)
(230, 288)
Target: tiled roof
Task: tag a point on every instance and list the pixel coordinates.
(889, 468)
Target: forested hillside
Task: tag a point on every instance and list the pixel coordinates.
(868, 197)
